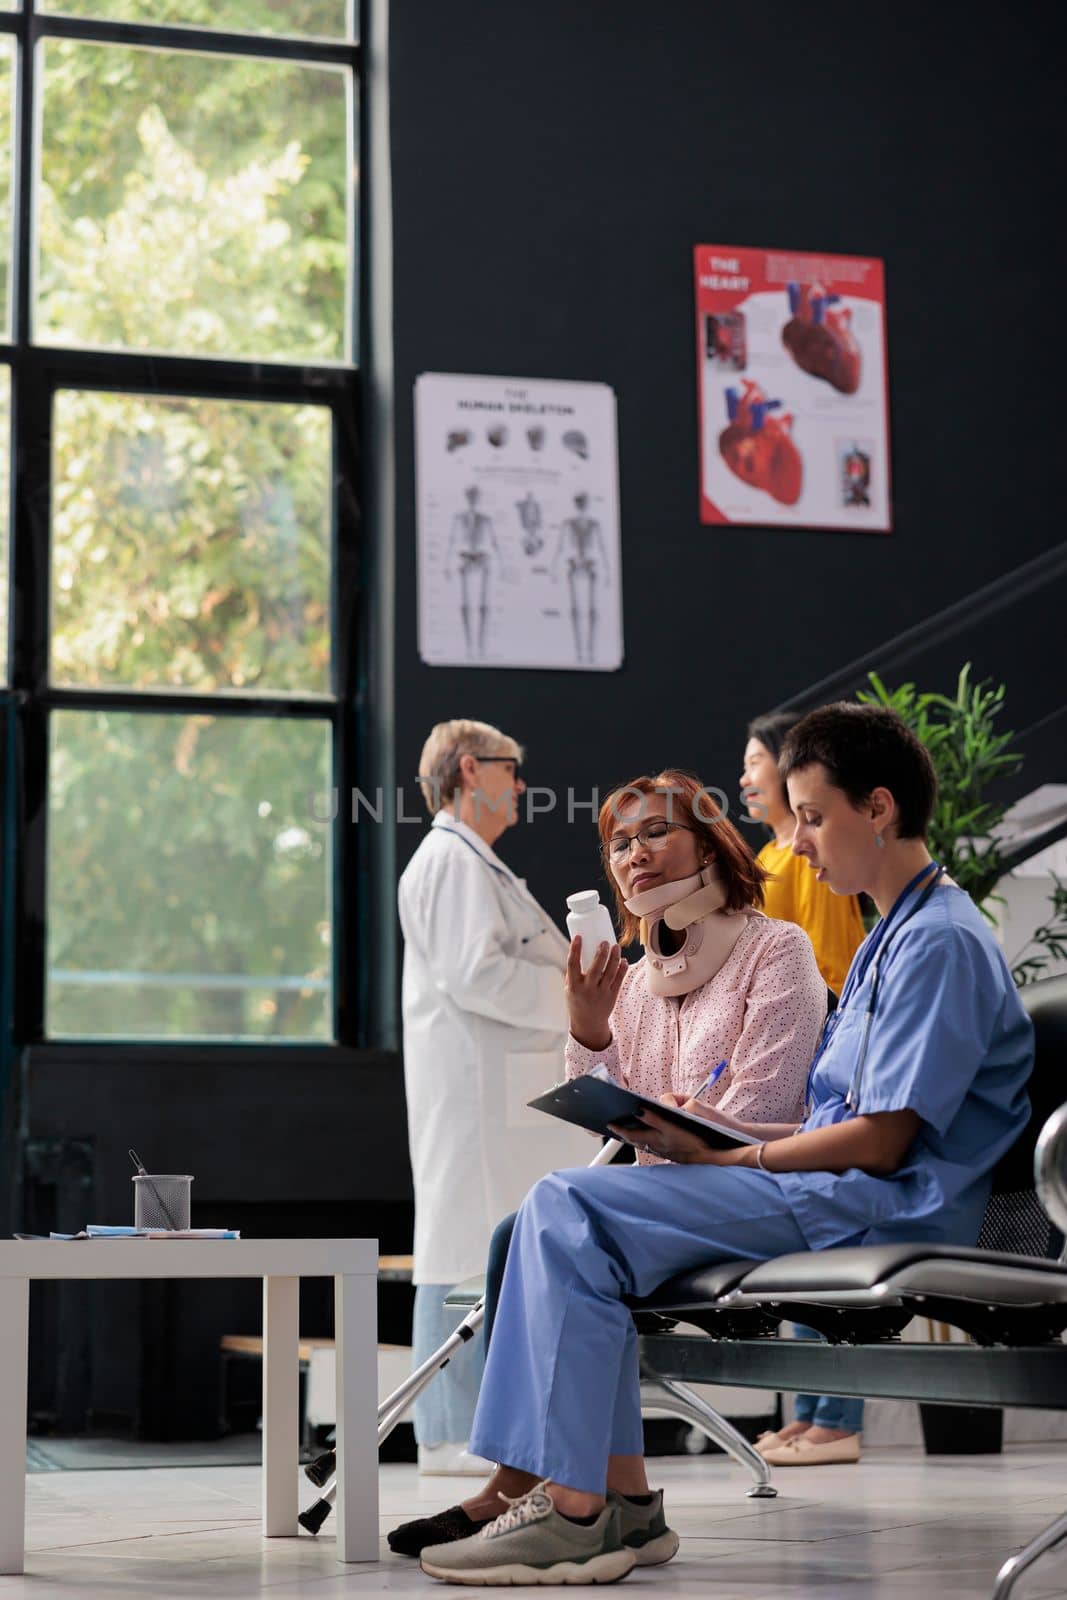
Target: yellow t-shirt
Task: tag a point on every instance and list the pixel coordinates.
(832, 922)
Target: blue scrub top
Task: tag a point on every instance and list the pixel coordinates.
(949, 1040)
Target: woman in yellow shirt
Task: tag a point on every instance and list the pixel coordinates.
(826, 1429)
(832, 922)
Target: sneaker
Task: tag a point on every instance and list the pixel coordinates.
(644, 1530)
(451, 1461)
(445, 1527)
(532, 1543)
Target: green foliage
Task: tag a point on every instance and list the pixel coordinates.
(7, 57)
(968, 754)
(183, 847)
(192, 204)
(1050, 939)
(199, 205)
(190, 544)
(302, 18)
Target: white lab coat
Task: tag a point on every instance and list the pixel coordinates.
(485, 1022)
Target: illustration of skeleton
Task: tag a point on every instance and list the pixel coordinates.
(580, 545)
(530, 518)
(473, 543)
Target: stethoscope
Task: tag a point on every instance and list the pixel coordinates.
(881, 939)
(508, 877)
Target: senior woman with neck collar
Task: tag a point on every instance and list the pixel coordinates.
(725, 1005)
(917, 1089)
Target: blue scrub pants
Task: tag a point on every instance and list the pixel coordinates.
(827, 1410)
(444, 1410)
(561, 1390)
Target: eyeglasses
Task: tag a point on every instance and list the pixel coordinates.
(653, 836)
(484, 761)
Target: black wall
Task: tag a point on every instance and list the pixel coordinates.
(554, 164)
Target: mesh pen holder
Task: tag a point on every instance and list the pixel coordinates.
(162, 1200)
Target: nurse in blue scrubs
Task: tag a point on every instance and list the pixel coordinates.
(918, 1087)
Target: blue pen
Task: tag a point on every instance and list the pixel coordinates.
(713, 1077)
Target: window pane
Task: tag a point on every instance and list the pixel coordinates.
(188, 885)
(307, 19)
(193, 204)
(190, 544)
(5, 501)
(7, 92)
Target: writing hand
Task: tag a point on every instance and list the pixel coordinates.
(661, 1138)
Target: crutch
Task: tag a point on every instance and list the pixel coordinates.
(323, 1470)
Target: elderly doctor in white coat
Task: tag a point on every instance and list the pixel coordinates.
(485, 1023)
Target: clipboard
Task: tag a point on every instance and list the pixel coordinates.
(595, 1102)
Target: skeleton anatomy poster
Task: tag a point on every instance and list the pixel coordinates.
(791, 356)
(518, 523)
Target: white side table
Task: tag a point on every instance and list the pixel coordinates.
(281, 1263)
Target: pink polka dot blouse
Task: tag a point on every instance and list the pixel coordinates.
(761, 1013)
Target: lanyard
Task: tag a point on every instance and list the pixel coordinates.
(501, 872)
(869, 959)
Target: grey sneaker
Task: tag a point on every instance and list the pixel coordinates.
(644, 1529)
(532, 1543)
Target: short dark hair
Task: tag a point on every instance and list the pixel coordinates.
(772, 728)
(864, 748)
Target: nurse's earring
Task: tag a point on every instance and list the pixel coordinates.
(879, 841)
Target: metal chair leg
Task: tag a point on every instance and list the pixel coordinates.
(672, 1399)
(1018, 1563)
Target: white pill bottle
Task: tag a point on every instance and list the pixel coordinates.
(586, 916)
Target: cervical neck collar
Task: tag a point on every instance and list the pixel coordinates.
(694, 907)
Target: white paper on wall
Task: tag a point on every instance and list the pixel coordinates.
(517, 507)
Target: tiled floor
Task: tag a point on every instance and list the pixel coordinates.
(897, 1527)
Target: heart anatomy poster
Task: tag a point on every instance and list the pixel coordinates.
(517, 497)
(791, 356)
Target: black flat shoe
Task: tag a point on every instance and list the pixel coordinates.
(412, 1538)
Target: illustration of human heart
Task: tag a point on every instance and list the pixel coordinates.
(820, 338)
(759, 447)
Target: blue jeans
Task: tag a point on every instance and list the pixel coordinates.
(444, 1410)
(494, 1271)
(827, 1410)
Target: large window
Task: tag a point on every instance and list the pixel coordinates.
(214, 216)
(178, 283)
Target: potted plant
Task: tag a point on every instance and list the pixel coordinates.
(968, 755)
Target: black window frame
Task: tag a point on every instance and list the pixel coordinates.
(28, 699)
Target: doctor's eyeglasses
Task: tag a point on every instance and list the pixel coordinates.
(510, 761)
(653, 836)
